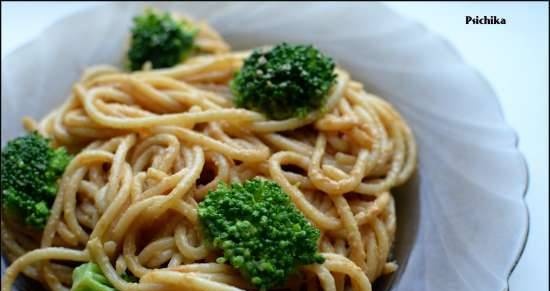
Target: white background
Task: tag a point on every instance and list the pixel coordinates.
(513, 57)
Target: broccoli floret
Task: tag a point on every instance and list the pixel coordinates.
(160, 39)
(88, 277)
(260, 231)
(286, 81)
(29, 173)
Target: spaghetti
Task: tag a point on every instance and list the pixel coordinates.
(151, 144)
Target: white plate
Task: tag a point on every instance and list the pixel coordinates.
(462, 220)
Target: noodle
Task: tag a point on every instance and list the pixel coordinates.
(151, 144)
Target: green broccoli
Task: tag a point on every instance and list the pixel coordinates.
(286, 81)
(88, 277)
(160, 39)
(29, 173)
(260, 231)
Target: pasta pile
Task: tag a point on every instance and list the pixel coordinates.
(151, 144)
